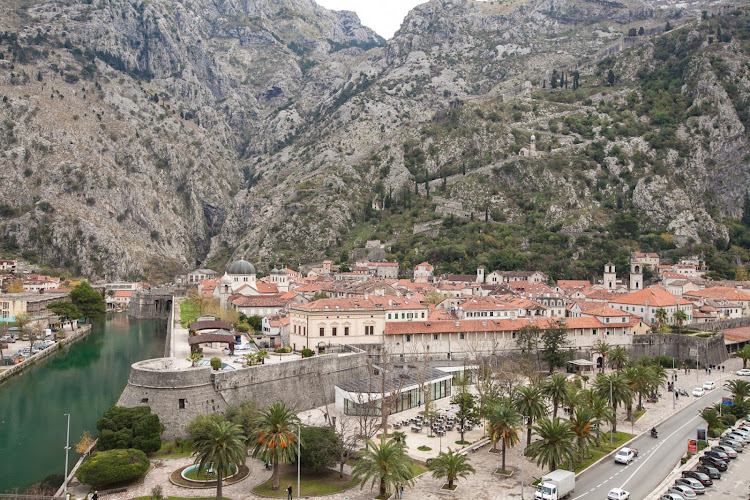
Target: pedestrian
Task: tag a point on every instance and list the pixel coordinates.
(722, 368)
(676, 395)
(709, 371)
(95, 496)
(289, 492)
(402, 490)
(675, 375)
(398, 492)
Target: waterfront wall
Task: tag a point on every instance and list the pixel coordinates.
(177, 395)
(146, 304)
(72, 337)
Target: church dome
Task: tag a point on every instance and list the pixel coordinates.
(241, 267)
(275, 271)
(226, 280)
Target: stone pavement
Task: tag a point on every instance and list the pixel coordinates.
(485, 484)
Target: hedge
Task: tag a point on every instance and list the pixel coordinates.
(113, 466)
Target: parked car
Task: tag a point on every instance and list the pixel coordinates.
(721, 465)
(671, 496)
(698, 392)
(8, 338)
(736, 436)
(708, 385)
(685, 492)
(711, 472)
(703, 478)
(717, 454)
(618, 494)
(726, 449)
(693, 484)
(740, 430)
(625, 456)
(743, 372)
(732, 443)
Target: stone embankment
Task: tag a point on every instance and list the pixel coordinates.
(72, 336)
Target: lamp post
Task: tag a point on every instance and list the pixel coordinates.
(523, 451)
(299, 456)
(674, 388)
(614, 410)
(67, 448)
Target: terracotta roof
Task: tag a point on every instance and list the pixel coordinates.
(649, 255)
(741, 334)
(573, 284)
(488, 325)
(485, 304)
(426, 265)
(720, 292)
(259, 300)
(123, 293)
(672, 275)
(598, 293)
(372, 302)
(655, 295)
(599, 309)
(461, 277)
(266, 287)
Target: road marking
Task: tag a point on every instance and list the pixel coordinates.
(689, 422)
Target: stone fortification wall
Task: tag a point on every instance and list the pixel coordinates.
(145, 304)
(177, 395)
(715, 326)
(683, 347)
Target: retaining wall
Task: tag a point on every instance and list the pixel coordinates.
(177, 395)
(72, 337)
(683, 347)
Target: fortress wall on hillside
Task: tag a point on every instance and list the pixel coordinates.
(683, 347)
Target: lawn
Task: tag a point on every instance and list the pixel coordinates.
(170, 450)
(188, 312)
(417, 468)
(313, 483)
(618, 439)
(636, 415)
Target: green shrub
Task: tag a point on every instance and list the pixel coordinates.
(283, 349)
(216, 363)
(702, 445)
(113, 466)
(715, 432)
(729, 419)
(307, 353)
(123, 428)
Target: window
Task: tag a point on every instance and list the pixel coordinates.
(423, 315)
(322, 332)
(181, 404)
(607, 320)
(593, 331)
(461, 335)
(346, 330)
(408, 338)
(435, 336)
(144, 400)
(333, 331)
(389, 315)
(514, 335)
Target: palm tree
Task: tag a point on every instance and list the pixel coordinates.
(602, 349)
(528, 400)
(220, 449)
(740, 389)
(584, 424)
(680, 317)
(275, 438)
(555, 445)
(743, 354)
(400, 438)
(711, 417)
(622, 393)
(251, 358)
(661, 318)
(504, 424)
(639, 380)
(194, 358)
(262, 356)
(384, 463)
(556, 389)
(452, 466)
(602, 411)
(618, 358)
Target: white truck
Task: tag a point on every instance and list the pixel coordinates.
(555, 485)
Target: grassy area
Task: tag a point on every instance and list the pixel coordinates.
(417, 468)
(636, 415)
(618, 439)
(170, 450)
(180, 498)
(313, 483)
(188, 312)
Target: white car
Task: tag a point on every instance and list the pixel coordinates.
(744, 372)
(731, 453)
(625, 456)
(618, 494)
(698, 392)
(708, 386)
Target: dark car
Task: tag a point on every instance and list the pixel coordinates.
(713, 462)
(719, 455)
(711, 472)
(703, 478)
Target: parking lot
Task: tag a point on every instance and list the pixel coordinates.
(735, 482)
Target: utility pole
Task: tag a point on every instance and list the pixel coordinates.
(299, 456)
(674, 386)
(523, 452)
(614, 410)
(67, 448)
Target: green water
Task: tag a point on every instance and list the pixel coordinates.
(83, 380)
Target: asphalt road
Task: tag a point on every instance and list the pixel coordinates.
(656, 457)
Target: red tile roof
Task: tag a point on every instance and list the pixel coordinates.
(720, 292)
(741, 334)
(259, 300)
(123, 293)
(489, 325)
(655, 295)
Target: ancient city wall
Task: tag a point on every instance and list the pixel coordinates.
(683, 347)
(145, 304)
(177, 395)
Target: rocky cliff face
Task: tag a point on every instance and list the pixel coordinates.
(142, 131)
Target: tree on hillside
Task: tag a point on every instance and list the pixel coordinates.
(15, 286)
(221, 450)
(746, 210)
(89, 302)
(611, 78)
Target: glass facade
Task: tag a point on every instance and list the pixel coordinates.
(406, 401)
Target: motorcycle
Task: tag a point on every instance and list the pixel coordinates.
(654, 434)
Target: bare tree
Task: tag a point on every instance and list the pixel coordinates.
(391, 384)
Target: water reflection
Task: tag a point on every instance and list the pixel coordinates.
(84, 381)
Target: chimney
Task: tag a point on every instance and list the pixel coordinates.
(458, 323)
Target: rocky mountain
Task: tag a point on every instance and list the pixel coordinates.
(142, 132)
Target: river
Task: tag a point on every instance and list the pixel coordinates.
(83, 380)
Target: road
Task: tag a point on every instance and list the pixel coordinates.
(656, 457)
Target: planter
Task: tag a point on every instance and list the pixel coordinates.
(444, 488)
(504, 473)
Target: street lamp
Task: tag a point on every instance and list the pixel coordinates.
(614, 410)
(67, 448)
(299, 456)
(523, 452)
(674, 386)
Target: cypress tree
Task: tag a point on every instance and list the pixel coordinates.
(746, 210)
